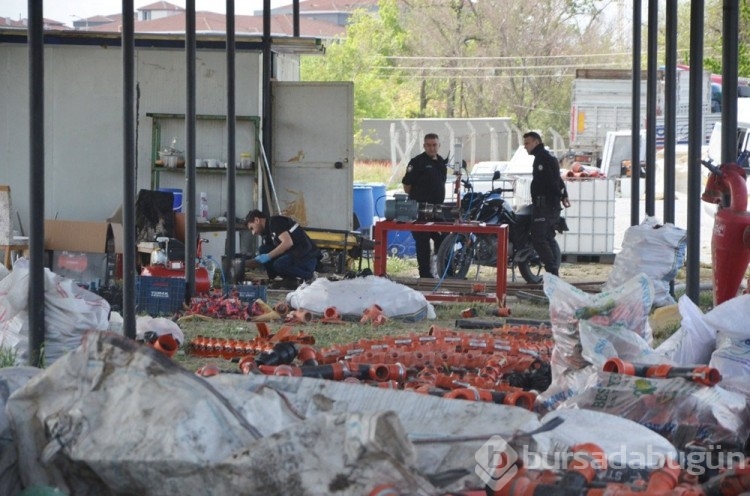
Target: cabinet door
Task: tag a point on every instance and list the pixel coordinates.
(312, 152)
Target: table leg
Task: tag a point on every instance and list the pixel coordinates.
(381, 248)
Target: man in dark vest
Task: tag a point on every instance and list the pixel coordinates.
(287, 251)
(424, 182)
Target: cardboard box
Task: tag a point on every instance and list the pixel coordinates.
(83, 250)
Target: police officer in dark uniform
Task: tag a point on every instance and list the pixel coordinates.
(287, 251)
(424, 182)
(546, 194)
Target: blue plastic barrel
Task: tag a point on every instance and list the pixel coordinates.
(401, 244)
(363, 206)
(177, 193)
(378, 198)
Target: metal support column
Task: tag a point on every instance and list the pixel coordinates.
(670, 110)
(695, 141)
(189, 199)
(295, 18)
(635, 126)
(266, 89)
(730, 54)
(231, 138)
(128, 170)
(651, 65)
(37, 326)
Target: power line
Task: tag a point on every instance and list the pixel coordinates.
(517, 57)
(480, 76)
(500, 68)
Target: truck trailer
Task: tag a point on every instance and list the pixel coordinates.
(602, 102)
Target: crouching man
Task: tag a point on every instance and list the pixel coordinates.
(287, 251)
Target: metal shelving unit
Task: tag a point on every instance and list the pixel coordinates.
(157, 125)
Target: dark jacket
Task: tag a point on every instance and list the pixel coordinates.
(303, 247)
(427, 179)
(545, 180)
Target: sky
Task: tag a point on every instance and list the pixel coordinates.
(67, 11)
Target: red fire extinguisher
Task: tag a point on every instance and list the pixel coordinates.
(730, 242)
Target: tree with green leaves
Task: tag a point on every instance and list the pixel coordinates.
(364, 57)
(512, 58)
(462, 58)
(713, 36)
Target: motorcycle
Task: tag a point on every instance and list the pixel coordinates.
(459, 251)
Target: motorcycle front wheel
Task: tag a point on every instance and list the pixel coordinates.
(454, 256)
(531, 270)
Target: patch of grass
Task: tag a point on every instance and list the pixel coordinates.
(7, 357)
(373, 172)
(331, 334)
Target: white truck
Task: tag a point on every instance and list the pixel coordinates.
(602, 102)
(743, 136)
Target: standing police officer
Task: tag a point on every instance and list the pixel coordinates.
(424, 182)
(546, 195)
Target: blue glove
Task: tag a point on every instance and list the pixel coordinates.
(263, 258)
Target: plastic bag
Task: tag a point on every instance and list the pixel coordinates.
(352, 296)
(11, 379)
(159, 325)
(626, 306)
(680, 410)
(694, 341)
(732, 353)
(658, 250)
(69, 311)
(600, 343)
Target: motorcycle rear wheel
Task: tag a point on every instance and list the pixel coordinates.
(531, 268)
(454, 256)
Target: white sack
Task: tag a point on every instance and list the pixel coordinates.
(98, 422)
(658, 250)
(352, 296)
(694, 341)
(422, 416)
(11, 378)
(161, 326)
(626, 306)
(69, 311)
(731, 320)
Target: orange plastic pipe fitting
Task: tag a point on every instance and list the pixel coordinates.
(332, 315)
(388, 372)
(384, 490)
(208, 370)
(283, 370)
(438, 331)
(247, 365)
(522, 399)
(379, 320)
(167, 344)
(282, 308)
(371, 313)
(307, 355)
(300, 315)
